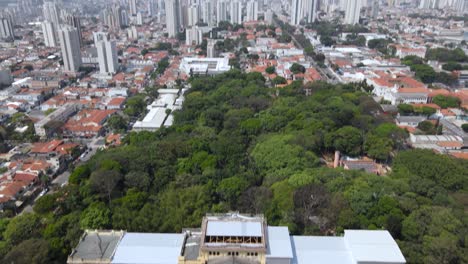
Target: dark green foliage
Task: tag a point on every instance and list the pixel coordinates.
(445, 55)
(446, 101)
(236, 145)
(465, 128)
(297, 68)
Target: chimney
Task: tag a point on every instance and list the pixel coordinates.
(336, 162)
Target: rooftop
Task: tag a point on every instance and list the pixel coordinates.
(96, 245)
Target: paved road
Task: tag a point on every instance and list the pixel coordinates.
(61, 179)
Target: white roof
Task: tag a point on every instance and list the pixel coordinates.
(373, 246)
(234, 228)
(279, 242)
(139, 248)
(322, 250)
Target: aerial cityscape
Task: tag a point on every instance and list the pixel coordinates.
(233, 131)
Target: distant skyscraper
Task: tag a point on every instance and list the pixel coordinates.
(193, 16)
(194, 36)
(75, 22)
(70, 46)
(152, 7)
(48, 29)
(6, 29)
(353, 12)
(107, 55)
(297, 11)
(207, 13)
(311, 9)
(133, 7)
(51, 12)
(236, 12)
(132, 33)
(172, 17)
(139, 19)
(211, 49)
(252, 11)
(221, 11)
(269, 16)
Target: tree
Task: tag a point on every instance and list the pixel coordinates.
(96, 216)
(22, 227)
(31, 251)
(117, 123)
(138, 179)
(465, 128)
(446, 101)
(347, 140)
(405, 109)
(427, 127)
(45, 204)
(231, 188)
(309, 51)
(279, 80)
(79, 173)
(104, 182)
(297, 68)
(270, 70)
(377, 147)
(452, 66)
(135, 106)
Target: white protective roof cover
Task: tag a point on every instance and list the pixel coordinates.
(234, 228)
(322, 250)
(139, 248)
(279, 242)
(373, 246)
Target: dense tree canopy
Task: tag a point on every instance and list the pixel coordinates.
(239, 145)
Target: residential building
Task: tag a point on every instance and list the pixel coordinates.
(194, 36)
(208, 16)
(6, 29)
(75, 22)
(236, 12)
(172, 17)
(51, 13)
(46, 126)
(70, 46)
(133, 7)
(211, 49)
(107, 56)
(311, 9)
(353, 12)
(193, 15)
(252, 11)
(296, 12)
(50, 38)
(221, 11)
(235, 238)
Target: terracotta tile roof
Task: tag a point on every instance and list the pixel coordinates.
(413, 90)
(26, 178)
(460, 155)
(46, 147)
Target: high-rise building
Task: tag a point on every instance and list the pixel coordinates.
(211, 49)
(236, 12)
(207, 13)
(51, 12)
(311, 9)
(139, 19)
(132, 33)
(252, 11)
(296, 12)
(172, 17)
(132, 4)
(75, 22)
(269, 16)
(70, 46)
(6, 29)
(107, 55)
(152, 7)
(50, 38)
(193, 15)
(221, 11)
(353, 12)
(193, 36)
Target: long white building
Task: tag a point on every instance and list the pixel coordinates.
(51, 12)
(6, 29)
(107, 57)
(296, 12)
(252, 11)
(221, 11)
(70, 46)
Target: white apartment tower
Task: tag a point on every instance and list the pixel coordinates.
(172, 17)
(6, 29)
(236, 12)
(194, 36)
(252, 11)
(193, 15)
(311, 9)
(211, 49)
(107, 56)
(70, 46)
(207, 13)
(51, 12)
(48, 30)
(353, 11)
(296, 12)
(133, 7)
(221, 11)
